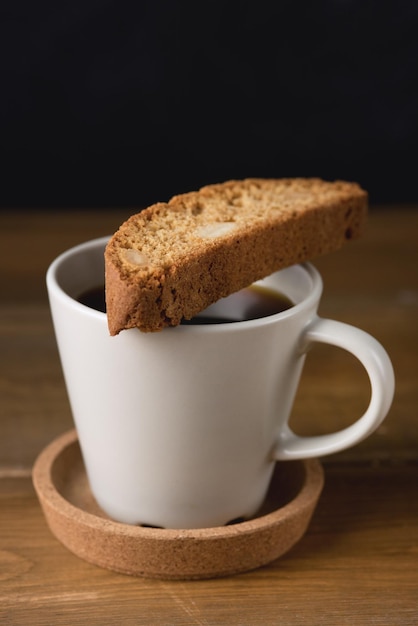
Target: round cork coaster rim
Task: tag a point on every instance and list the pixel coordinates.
(85, 534)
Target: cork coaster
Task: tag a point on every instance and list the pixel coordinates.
(81, 526)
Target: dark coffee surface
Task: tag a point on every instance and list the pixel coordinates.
(248, 304)
(255, 302)
(94, 298)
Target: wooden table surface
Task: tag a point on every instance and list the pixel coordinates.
(358, 562)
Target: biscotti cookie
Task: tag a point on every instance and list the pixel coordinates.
(174, 259)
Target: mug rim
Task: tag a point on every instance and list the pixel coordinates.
(53, 285)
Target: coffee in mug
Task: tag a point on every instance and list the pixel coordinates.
(251, 303)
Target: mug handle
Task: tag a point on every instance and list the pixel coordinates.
(380, 371)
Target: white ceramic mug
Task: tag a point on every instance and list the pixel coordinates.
(181, 429)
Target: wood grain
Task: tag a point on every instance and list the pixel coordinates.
(358, 562)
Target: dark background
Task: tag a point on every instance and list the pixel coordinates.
(106, 103)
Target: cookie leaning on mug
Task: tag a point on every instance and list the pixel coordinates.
(174, 259)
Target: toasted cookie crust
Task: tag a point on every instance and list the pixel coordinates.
(174, 259)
